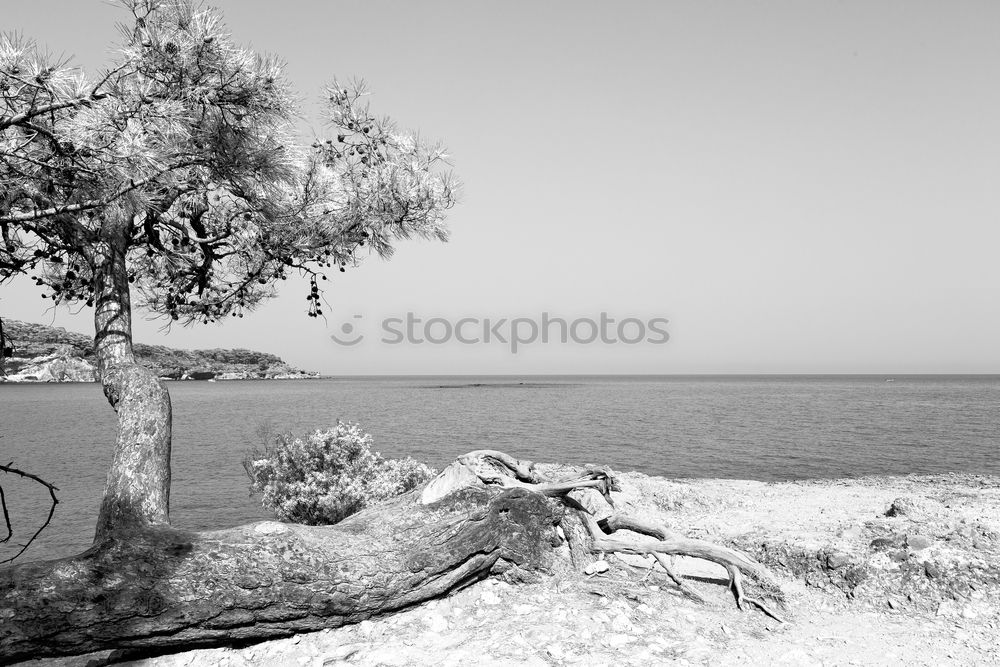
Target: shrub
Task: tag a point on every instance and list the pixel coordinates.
(328, 475)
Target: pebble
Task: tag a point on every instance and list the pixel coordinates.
(596, 567)
(621, 623)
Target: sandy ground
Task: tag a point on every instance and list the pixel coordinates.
(918, 587)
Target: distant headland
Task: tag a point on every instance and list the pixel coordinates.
(42, 353)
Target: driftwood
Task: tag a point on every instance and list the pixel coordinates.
(159, 589)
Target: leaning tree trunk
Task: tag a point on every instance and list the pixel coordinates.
(137, 492)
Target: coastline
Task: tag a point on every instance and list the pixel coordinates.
(48, 354)
(876, 570)
(305, 375)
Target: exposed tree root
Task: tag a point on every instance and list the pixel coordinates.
(604, 535)
(736, 583)
(678, 581)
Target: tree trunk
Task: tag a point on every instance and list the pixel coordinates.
(158, 589)
(3, 348)
(137, 492)
(162, 589)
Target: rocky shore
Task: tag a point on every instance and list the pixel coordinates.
(42, 353)
(875, 571)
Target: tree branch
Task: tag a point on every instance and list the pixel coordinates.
(48, 108)
(6, 514)
(38, 214)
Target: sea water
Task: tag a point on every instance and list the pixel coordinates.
(754, 427)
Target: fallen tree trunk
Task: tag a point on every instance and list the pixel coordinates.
(162, 589)
(158, 589)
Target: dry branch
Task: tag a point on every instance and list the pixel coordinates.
(6, 513)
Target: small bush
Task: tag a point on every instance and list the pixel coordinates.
(327, 475)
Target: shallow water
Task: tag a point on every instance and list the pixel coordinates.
(766, 428)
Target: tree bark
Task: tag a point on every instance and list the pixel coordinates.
(162, 589)
(137, 492)
(3, 349)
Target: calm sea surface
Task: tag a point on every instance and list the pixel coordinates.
(766, 428)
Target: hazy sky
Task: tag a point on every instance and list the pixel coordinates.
(796, 186)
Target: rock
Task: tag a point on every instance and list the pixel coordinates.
(932, 571)
(636, 560)
(904, 506)
(489, 597)
(946, 608)
(622, 623)
(342, 652)
(886, 542)
(596, 567)
(917, 542)
(63, 365)
(837, 560)
(899, 556)
(270, 528)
